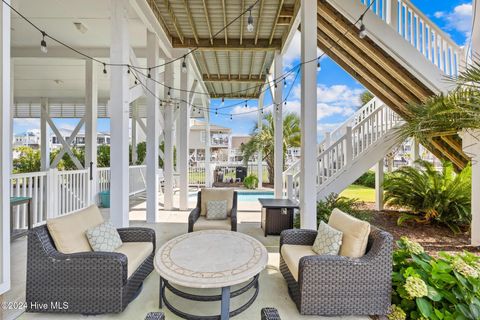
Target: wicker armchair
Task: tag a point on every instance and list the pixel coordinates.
(195, 214)
(336, 285)
(90, 282)
(269, 314)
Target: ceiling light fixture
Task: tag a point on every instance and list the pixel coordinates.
(43, 43)
(250, 21)
(80, 27)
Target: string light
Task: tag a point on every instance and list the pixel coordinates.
(250, 21)
(245, 106)
(168, 93)
(284, 82)
(231, 117)
(362, 32)
(318, 65)
(184, 65)
(104, 68)
(149, 75)
(43, 43)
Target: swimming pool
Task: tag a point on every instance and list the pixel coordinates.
(248, 196)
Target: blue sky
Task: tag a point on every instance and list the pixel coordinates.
(338, 93)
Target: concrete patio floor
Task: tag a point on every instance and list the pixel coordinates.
(273, 289)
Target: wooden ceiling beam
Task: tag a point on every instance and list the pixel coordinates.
(166, 3)
(287, 12)
(190, 20)
(274, 28)
(241, 22)
(251, 65)
(225, 21)
(205, 10)
(233, 44)
(259, 18)
(243, 78)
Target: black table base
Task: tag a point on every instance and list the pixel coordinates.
(224, 297)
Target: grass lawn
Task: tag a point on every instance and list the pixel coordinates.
(360, 192)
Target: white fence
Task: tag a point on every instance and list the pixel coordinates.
(55, 193)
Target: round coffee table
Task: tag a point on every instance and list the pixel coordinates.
(210, 259)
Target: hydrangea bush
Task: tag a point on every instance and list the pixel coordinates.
(443, 288)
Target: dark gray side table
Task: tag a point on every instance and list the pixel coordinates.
(277, 215)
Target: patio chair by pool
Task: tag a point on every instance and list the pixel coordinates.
(334, 285)
(198, 219)
(62, 268)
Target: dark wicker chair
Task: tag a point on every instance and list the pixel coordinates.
(155, 316)
(90, 282)
(269, 314)
(195, 213)
(336, 285)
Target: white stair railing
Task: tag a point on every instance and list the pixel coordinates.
(423, 34)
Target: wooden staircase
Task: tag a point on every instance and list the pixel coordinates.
(397, 66)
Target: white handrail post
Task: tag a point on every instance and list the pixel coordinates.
(290, 186)
(392, 13)
(348, 146)
(51, 194)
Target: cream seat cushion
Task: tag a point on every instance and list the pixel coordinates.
(292, 254)
(216, 194)
(136, 253)
(68, 232)
(203, 224)
(355, 233)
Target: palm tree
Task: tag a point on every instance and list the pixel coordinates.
(262, 139)
(447, 114)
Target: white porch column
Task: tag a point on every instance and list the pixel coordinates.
(183, 129)
(134, 133)
(153, 130)
(169, 142)
(471, 141)
(259, 153)
(278, 126)
(308, 117)
(44, 136)
(379, 185)
(91, 107)
(415, 151)
(208, 171)
(119, 103)
(5, 147)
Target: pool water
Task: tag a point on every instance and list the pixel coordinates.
(249, 196)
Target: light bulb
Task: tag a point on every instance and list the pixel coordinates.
(363, 31)
(318, 65)
(43, 44)
(184, 66)
(250, 22)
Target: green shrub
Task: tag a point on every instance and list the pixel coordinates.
(443, 288)
(367, 179)
(325, 207)
(251, 182)
(431, 195)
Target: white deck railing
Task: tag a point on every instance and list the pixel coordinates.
(416, 28)
(356, 135)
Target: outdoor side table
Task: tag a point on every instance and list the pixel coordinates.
(17, 201)
(277, 215)
(210, 259)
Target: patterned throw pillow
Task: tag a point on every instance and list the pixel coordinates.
(328, 240)
(217, 210)
(103, 237)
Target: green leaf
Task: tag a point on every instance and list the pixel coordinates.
(444, 277)
(475, 311)
(464, 310)
(424, 265)
(424, 306)
(438, 313)
(434, 294)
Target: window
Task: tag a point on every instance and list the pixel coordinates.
(203, 137)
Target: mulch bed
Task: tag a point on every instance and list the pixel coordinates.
(433, 237)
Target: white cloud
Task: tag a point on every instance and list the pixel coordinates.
(240, 112)
(294, 50)
(460, 19)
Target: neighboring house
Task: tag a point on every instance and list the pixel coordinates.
(219, 141)
(32, 138)
(29, 138)
(236, 148)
